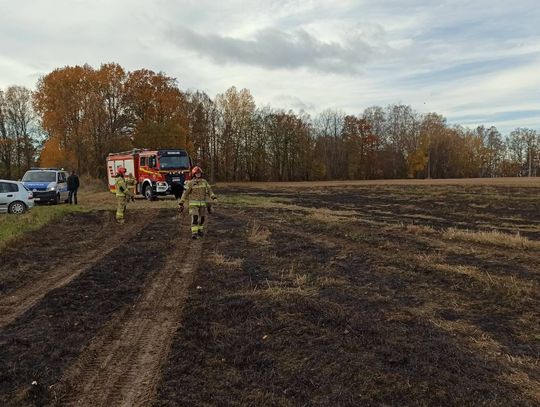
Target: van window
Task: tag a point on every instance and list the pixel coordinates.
(143, 161)
(61, 177)
(152, 161)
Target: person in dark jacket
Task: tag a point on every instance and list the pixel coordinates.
(73, 186)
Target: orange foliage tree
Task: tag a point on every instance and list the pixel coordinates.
(53, 155)
(90, 113)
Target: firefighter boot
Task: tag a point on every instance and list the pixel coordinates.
(200, 233)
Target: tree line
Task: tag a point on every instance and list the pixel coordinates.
(76, 115)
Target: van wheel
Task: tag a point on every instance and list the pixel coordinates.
(148, 193)
(56, 200)
(17, 208)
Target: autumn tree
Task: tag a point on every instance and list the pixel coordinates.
(432, 127)
(87, 113)
(402, 129)
(523, 145)
(158, 110)
(6, 146)
(328, 128)
(361, 147)
(19, 131)
(236, 109)
(203, 119)
(62, 99)
(54, 154)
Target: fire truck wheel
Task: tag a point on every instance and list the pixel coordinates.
(148, 194)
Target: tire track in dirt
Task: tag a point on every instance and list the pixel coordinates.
(22, 299)
(122, 366)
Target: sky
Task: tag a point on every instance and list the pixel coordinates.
(476, 62)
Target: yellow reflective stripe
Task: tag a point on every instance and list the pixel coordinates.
(197, 203)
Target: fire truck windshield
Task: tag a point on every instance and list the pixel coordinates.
(173, 162)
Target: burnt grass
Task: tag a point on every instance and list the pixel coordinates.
(52, 245)
(373, 306)
(350, 314)
(41, 343)
(467, 206)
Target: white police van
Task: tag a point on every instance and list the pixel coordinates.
(47, 184)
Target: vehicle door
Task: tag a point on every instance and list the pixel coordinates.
(62, 186)
(6, 196)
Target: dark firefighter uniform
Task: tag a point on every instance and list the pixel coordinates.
(198, 192)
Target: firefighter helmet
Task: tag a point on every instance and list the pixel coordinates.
(121, 170)
(196, 170)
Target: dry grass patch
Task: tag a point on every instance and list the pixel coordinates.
(258, 234)
(284, 289)
(292, 282)
(226, 262)
(327, 218)
(411, 228)
(431, 258)
(330, 281)
(419, 229)
(509, 285)
(493, 237)
(422, 217)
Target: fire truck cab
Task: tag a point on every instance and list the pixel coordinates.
(156, 172)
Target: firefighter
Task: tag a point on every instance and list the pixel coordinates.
(197, 191)
(122, 194)
(130, 183)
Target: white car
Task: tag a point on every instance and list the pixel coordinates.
(15, 197)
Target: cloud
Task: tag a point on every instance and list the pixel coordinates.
(272, 48)
(294, 103)
(460, 58)
(498, 116)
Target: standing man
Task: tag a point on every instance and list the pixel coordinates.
(197, 191)
(122, 194)
(73, 186)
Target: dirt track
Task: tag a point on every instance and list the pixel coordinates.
(122, 365)
(20, 300)
(95, 330)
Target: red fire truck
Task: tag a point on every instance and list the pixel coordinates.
(156, 172)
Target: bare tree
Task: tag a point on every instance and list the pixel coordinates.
(19, 129)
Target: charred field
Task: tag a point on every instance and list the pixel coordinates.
(323, 296)
(364, 296)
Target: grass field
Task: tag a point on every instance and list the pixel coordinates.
(323, 294)
(14, 226)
